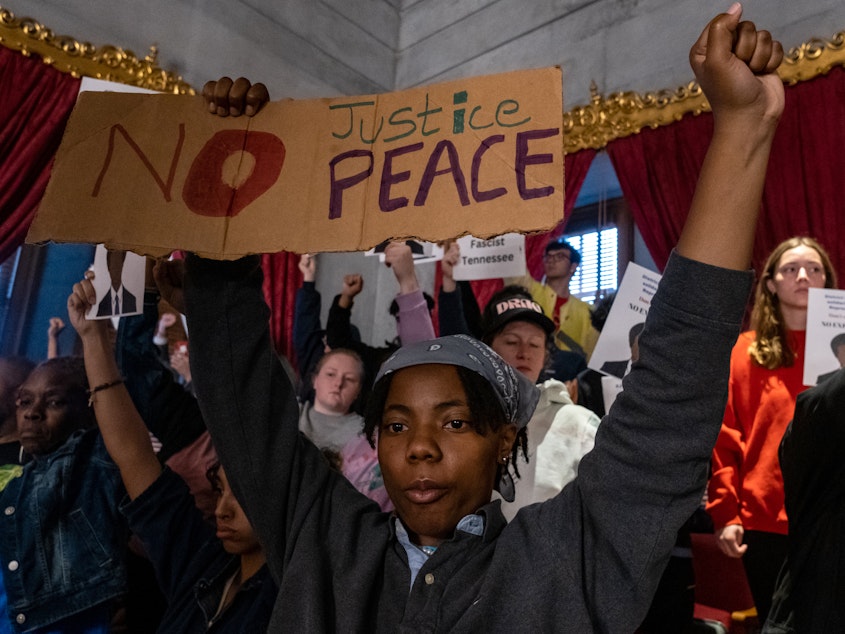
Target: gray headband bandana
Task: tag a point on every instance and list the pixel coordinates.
(517, 395)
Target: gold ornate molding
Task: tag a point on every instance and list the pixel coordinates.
(813, 58)
(625, 113)
(592, 126)
(82, 59)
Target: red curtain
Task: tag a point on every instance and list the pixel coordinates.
(281, 280)
(657, 170)
(576, 166)
(35, 105)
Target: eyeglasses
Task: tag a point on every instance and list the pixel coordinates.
(810, 270)
(556, 256)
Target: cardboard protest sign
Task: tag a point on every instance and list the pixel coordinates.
(153, 173)
(616, 347)
(118, 282)
(825, 347)
(502, 256)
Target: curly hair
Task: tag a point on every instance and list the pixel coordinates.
(488, 415)
(770, 348)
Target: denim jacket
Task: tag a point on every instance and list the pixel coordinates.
(62, 537)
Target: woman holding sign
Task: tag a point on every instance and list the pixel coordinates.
(447, 412)
(767, 371)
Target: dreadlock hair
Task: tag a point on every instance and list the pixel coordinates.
(487, 414)
(770, 348)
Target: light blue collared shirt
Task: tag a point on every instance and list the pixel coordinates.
(472, 524)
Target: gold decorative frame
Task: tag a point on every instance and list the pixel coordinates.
(625, 113)
(592, 126)
(82, 59)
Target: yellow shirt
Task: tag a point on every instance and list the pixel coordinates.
(574, 315)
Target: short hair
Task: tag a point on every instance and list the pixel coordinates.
(71, 371)
(559, 244)
(837, 341)
(337, 351)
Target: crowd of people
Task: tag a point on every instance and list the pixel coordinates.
(461, 483)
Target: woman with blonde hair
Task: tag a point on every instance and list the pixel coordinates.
(746, 498)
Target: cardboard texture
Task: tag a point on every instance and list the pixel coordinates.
(153, 173)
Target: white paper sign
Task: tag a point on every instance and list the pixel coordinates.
(825, 349)
(616, 344)
(422, 251)
(119, 283)
(89, 84)
(611, 387)
(502, 256)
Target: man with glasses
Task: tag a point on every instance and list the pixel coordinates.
(571, 316)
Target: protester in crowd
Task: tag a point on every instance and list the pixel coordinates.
(63, 539)
(169, 411)
(447, 412)
(559, 432)
(180, 363)
(412, 312)
(462, 290)
(211, 581)
(767, 369)
(811, 584)
(309, 336)
(571, 316)
(328, 420)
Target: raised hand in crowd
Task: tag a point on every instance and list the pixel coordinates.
(57, 325)
(398, 256)
(353, 284)
(225, 97)
(165, 321)
(451, 256)
(308, 267)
